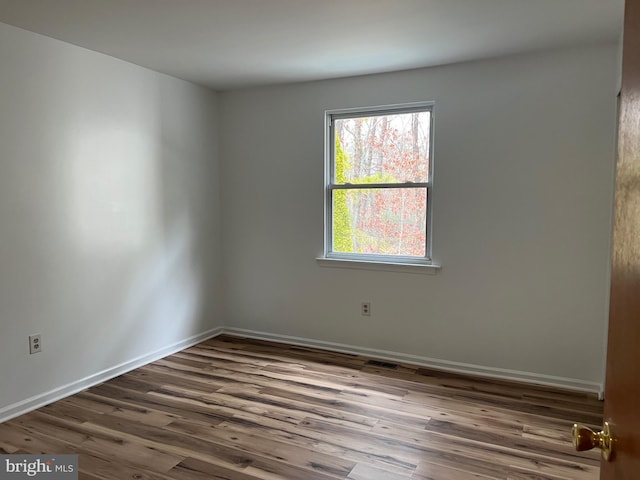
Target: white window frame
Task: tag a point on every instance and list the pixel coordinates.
(364, 260)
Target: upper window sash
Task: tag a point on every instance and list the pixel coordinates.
(333, 116)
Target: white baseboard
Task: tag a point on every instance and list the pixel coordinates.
(436, 364)
(37, 401)
(46, 398)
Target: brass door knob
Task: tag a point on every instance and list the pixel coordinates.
(585, 439)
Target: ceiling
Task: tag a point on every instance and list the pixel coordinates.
(237, 43)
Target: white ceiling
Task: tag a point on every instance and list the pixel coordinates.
(234, 43)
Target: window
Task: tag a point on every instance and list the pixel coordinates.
(378, 184)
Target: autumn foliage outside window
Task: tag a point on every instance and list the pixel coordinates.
(379, 182)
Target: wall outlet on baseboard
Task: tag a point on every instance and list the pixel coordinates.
(35, 344)
(366, 309)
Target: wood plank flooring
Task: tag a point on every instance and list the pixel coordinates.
(238, 409)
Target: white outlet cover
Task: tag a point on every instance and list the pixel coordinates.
(35, 344)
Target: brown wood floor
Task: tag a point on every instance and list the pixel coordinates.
(239, 409)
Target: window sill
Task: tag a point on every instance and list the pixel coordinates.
(420, 268)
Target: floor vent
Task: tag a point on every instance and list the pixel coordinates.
(377, 363)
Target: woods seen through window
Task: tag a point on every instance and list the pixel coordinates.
(378, 183)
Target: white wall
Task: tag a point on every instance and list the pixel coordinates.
(522, 205)
(109, 215)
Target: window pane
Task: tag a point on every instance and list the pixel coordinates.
(382, 221)
(382, 148)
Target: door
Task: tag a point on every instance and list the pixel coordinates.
(622, 391)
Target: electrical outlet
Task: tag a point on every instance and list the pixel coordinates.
(366, 309)
(35, 344)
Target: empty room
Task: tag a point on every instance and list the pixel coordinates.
(315, 240)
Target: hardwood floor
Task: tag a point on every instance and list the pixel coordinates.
(238, 409)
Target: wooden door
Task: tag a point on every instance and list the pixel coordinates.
(622, 391)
